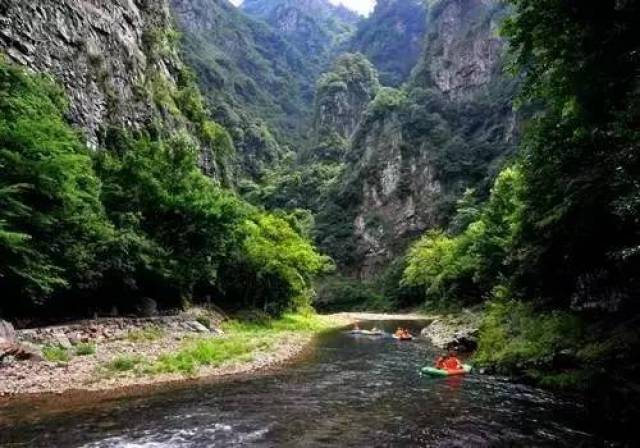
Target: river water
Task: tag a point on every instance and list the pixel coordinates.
(349, 392)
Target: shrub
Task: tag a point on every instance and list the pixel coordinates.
(56, 353)
(466, 267)
(273, 267)
(516, 337)
(85, 349)
(52, 223)
(123, 363)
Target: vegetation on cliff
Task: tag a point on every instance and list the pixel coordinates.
(392, 38)
(136, 219)
(564, 303)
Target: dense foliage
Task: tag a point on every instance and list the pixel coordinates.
(559, 260)
(137, 219)
(315, 27)
(255, 82)
(580, 234)
(467, 266)
(52, 222)
(392, 37)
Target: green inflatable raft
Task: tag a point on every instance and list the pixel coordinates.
(432, 371)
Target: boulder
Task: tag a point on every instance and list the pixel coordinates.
(17, 351)
(62, 340)
(7, 332)
(147, 307)
(464, 342)
(452, 335)
(198, 327)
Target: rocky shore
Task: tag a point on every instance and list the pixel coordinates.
(457, 332)
(87, 349)
(76, 357)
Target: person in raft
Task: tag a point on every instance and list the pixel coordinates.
(403, 333)
(449, 362)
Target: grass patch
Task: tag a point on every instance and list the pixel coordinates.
(146, 334)
(206, 352)
(123, 363)
(55, 353)
(85, 349)
(242, 340)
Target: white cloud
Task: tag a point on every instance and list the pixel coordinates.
(362, 6)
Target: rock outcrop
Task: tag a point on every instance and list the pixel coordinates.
(102, 53)
(463, 49)
(10, 348)
(342, 96)
(419, 148)
(105, 329)
(458, 333)
(7, 332)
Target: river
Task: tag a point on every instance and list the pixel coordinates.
(348, 392)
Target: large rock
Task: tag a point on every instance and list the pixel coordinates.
(197, 327)
(452, 334)
(7, 331)
(100, 51)
(20, 352)
(61, 339)
(147, 307)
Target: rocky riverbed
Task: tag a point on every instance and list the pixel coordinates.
(80, 356)
(85, 356)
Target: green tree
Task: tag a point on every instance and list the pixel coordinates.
(274, 266)
(179, 221)
(468, 266)
(580, 156)
(51, 220)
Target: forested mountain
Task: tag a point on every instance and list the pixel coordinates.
(315, 27)
(257, 84)
(420, 147)
(392, 38)
(445, 153)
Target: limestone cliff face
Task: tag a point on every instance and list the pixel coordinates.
(463, 47)
(343, 95)
(398, 193)
(101, 51)
(418, 149)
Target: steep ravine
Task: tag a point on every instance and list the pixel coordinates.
(418, 148)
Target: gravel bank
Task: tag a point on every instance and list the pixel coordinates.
(87, 373)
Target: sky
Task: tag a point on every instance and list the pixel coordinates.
(362, 6)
